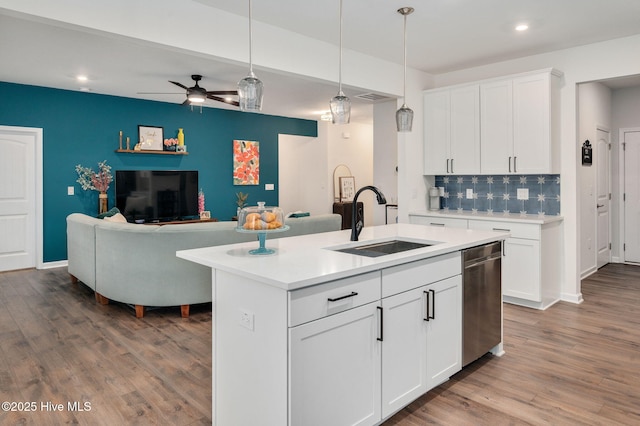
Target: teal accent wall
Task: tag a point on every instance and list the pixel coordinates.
(82, 128)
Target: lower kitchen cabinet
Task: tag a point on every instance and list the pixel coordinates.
(521, 269)
(444, 330)
(335, 369)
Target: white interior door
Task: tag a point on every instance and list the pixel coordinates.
(19, 147)
(631, 140)
(603, 218)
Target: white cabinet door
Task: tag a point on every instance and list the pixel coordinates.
(531, 124)
(465, 130)
(335, 369)
(436, 132)
(521, 269)
(444, 330)
(404, 357)
(496, 118)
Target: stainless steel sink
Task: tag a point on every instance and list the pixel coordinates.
(383, 248)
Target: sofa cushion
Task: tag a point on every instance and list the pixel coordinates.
(113, 211)
(118, 217)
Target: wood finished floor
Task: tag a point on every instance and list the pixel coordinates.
(569, 365)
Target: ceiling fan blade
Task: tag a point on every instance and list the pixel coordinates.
(186, 102)
(179, 84)
(159, 93)
(222, 92)
(219, 99)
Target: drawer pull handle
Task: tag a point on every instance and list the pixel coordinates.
(502, 229)
(436, 224)
(431, 304)
(353, 293)
(381, 338)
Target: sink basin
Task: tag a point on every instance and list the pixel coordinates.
(384, 248)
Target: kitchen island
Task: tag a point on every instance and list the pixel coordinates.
(313, 335)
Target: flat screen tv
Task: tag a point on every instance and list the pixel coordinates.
(157, 195)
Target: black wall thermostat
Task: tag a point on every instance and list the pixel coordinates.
(587, 153)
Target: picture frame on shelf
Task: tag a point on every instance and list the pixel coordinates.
(181, 148)
(347, 188)
(150, 138)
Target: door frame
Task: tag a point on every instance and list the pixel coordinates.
(621, 190)
(609, 189)
(38, 167)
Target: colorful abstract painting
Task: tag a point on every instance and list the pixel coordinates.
(246, 163)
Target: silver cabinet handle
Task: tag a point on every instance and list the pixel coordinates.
(600, 205)
(436, 224)
(502, 229)
(452, 166)
(515, 166)
(509, 164)
(447, 165)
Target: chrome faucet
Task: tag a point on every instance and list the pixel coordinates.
(357, 224)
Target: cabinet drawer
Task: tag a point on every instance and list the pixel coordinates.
(398, 279)
(517, 230)
(308, 304)
(438, 221)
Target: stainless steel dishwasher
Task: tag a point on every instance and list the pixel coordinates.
(482, 300)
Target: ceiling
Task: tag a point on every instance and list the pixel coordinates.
(443, 36)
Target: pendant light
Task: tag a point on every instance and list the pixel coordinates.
(340, 104)
(404, 116)
(250, 87)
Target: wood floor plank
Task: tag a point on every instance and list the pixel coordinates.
(569, 365)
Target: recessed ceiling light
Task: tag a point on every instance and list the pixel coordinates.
(81, 78)
(522, 27)
(85, 89)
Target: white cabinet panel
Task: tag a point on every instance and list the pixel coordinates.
(496, 118)
(404, 358)
(335, 369)
(444, 330)
(521, 269)
(452, 131)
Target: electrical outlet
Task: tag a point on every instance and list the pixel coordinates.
(469, 194)
(441, 191)
(70, 190)
(269, 187)
(522, 194)
(247, 319)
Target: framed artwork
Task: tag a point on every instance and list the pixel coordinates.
(347, 188)
(150, 138)
(246, 162)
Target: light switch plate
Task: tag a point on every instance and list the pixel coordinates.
(70, 190)
(269, 187)
(523, 193)
(469, 193)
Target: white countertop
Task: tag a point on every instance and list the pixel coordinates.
(497, 216)
(309, 259)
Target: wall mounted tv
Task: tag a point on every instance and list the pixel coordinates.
(157, 195)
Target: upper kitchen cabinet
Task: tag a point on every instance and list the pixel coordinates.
(519, 118)
(452, 130)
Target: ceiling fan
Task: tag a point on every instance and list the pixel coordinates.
(197, 94)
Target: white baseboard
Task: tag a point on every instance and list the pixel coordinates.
(51, 265)
(572, 298)
(588, 272)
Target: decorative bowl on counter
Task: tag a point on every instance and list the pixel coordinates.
(261, 220)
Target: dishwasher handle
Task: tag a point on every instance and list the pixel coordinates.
(476, 262)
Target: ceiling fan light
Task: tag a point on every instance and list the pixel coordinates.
(404, 118)
(195, 98)
(340, 109)
(250, 90)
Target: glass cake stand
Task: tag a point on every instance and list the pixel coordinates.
(262, 237)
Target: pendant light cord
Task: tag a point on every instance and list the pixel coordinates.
(250, 42)
(404, 83)
(340, 61)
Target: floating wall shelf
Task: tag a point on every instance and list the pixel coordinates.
(131, 151)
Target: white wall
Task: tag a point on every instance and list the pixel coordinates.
(581, 64)
(306, 165)
(385, 157)
(303, 182)
(594, 110)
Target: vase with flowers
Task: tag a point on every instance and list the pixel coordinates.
(170, 144)
(96, 181)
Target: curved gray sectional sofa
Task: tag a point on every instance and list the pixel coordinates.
(137, 264)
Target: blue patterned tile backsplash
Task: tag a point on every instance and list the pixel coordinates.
(498, 193)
